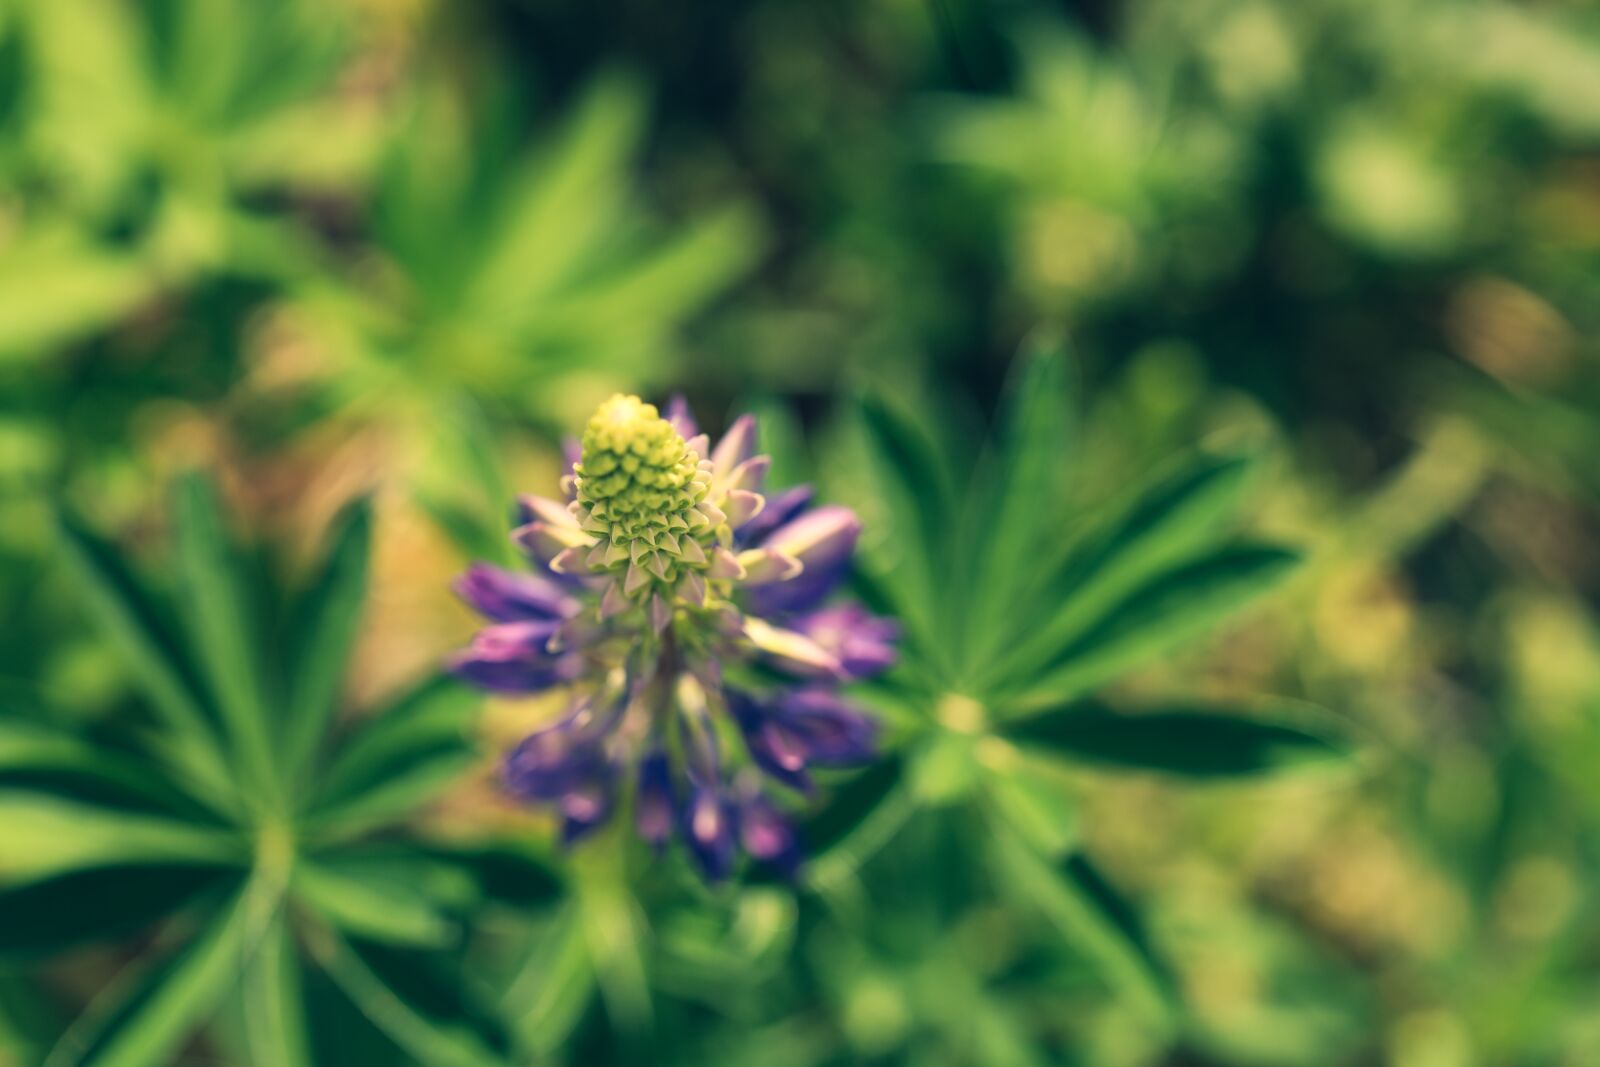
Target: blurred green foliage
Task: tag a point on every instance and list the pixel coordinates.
(1330, 276)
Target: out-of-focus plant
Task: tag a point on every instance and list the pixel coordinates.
(1016, 613)
(1113, 183)
(530, 279)
(262, 839)
(148, 143)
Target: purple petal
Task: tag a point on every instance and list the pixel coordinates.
(514, 657)
(822, 540)
(708, 830)
(781, 507)
(656, 803)
(863, 643)
(507, 596)
(559, 761)
(767, 834)
(681, 417)
(835, 733)
(736, 446)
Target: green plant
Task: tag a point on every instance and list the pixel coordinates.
(263, 841)
(1016, 614)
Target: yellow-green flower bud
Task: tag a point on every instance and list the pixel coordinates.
(641, 491)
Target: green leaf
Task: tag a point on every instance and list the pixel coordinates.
(1039, 805)
(221, 626)
(1169, 519)
(1195, 743)
(545, 999)
(328, 623)
(398, 759)
(910, 482)
(1031, 451)
(373, 904)
(44, 759)
(1173, 608)
(1089, 916)
(274, 1003)
(47, 835)
(137, 631)
(514, 871)
(429, 1042)
(98, 904)
(176, 997)
(857, 819)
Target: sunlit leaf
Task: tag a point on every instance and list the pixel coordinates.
(373, 905)
(47, 836)
(222, 625)
(274, 1002)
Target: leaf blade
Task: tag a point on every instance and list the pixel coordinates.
(1191, 743)
(330, 621)
(1175, 607)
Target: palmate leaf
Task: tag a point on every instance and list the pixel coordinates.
(1177, 516)
(49, 760)
(397, 761)
(1190, 742)
(274, 1011)
(1167, 611)
(374, 904)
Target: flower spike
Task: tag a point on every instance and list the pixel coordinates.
(665, 562)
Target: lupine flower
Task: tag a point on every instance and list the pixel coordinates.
(665, 570)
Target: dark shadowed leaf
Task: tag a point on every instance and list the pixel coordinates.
(912, 485)
(513, 872)
(1198, 743)
(173, 998)
(1091, 917)
(138, 631)
(94, 905)
(429, 1041)
(44, 759)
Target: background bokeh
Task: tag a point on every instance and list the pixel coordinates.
(400, 247)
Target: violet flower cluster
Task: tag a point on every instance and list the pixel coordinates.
(687, 615)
